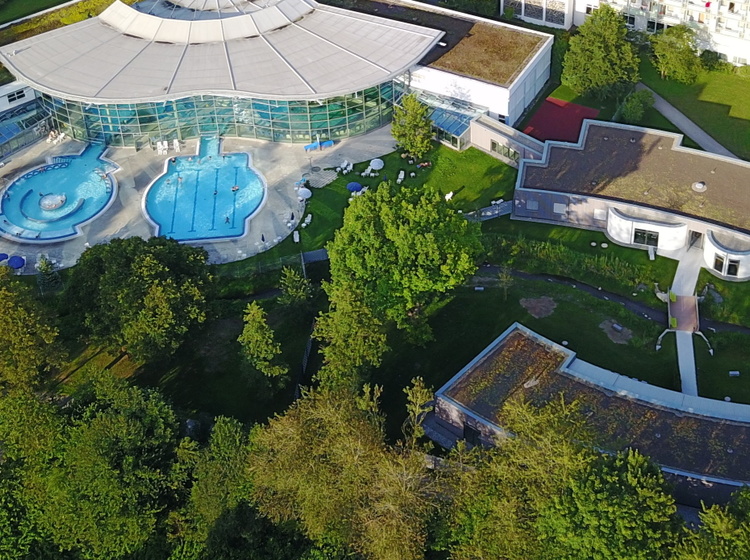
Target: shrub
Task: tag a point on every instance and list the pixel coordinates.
(635, 106)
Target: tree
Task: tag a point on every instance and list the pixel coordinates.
(635, 106)
(48, 279)
(399, 251)
(675, 55)
(258, 345)
(29, 338)
(354, 338)
(724, 533)
(324, 463)
(600, 61)
(617, 509)
(143, 296)
(412, 127)
(102, 486)
(295, 288)
(505, 279)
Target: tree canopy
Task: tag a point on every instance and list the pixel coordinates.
(29, 337)
(674, 54)
(400, 249)
(411, 126)
(144, 296)
(617, 509)
(600, 61)
(258, 345)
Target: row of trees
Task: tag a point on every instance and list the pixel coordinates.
(603, 61)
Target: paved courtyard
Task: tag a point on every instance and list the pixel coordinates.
(280, 164)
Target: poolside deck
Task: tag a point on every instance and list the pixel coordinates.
(281, 165)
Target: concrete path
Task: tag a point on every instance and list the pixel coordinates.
(688, 127)
(686, 363)
(688, 268)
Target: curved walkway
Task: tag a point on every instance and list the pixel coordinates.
(688, 127)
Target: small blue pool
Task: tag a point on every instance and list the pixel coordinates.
(206, 196)
(50, 202)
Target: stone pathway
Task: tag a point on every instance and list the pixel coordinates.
(686, 363)
(688, 127)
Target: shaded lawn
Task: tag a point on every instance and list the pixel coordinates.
(606, 107)
(206, 376)
(661, 270)
(14, 9)
(731, 352)
(719, 103)
(468, 323)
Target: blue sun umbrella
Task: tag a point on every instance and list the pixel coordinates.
(3, 256)
(354, 187)
(16, 262)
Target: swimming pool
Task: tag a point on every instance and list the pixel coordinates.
(51, 202)
(208, 196)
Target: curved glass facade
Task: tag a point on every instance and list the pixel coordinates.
(142, 124)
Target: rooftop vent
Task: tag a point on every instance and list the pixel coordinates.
(632, 140)
(442, 44)
(699, 186)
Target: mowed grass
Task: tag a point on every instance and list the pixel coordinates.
(719, 103)
(471, 320)
(731, 353)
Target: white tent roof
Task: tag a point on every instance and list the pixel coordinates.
(292, 49)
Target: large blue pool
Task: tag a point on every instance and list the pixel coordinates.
(206, 196)
(51, 202)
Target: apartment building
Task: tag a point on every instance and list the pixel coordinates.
(722, 26)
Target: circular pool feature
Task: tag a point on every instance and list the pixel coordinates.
(205, 197)
(51, 201)
(83, 188)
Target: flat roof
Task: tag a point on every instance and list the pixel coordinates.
(282, 49)
(647, 167)
(526, 366)
(490, 51)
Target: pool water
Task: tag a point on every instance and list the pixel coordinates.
(52, 201)
(206, 196)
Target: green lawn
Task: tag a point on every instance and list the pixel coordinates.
(735, 304)
(718, 102)
(731, 352)
(606, 107)
(473, 319)
(14, 9)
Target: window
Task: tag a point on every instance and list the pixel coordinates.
(719, 263)
(589, 9)
(532, 205)
(629, 20)
(16, 95)
(645, 237)
(471, 435)
(733, 267)
(731, 7)
(504, 150)
(559, 208)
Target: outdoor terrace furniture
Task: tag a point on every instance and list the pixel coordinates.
(401, 175)
(176, 145)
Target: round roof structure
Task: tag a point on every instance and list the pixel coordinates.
(280, 49)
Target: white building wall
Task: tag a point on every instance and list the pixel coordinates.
(713, 248)
(15, 94)
(493, 97)
(621, 228)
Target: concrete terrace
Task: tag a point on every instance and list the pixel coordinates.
(281, 165)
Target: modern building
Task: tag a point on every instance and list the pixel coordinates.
(279, 70)
(23, 121)
(722, 26)
(687, 435)
(643, 189)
